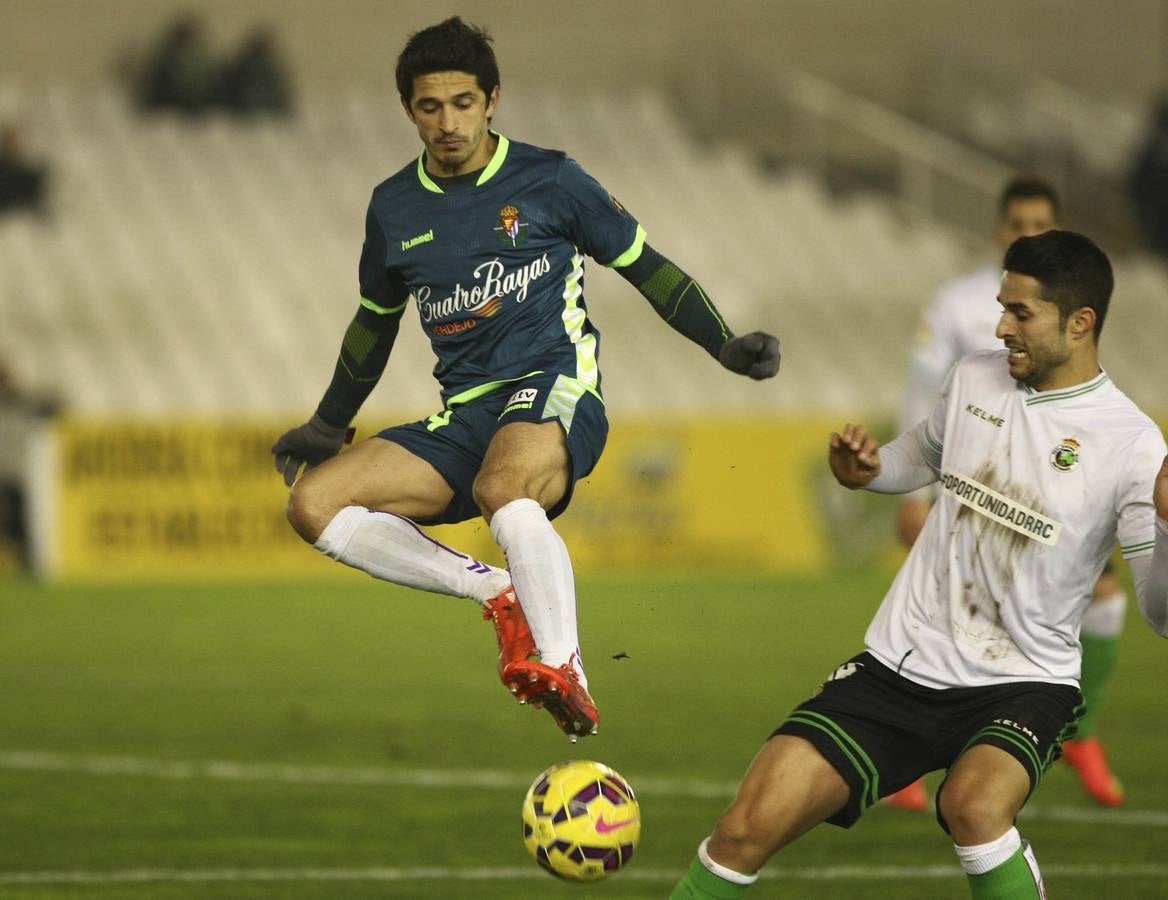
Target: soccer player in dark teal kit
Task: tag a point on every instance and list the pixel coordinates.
(489, 237)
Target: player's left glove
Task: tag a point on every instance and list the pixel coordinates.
(755, 355)
(308, 445)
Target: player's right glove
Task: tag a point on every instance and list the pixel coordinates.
(755, 355)
(308, 444)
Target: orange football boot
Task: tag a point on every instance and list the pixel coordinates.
(913, 796)
(511, 630)
(1087, 757)
(559, 691)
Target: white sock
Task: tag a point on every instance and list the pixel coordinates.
(393, 548)
(978, 859)
(720, 870)
(542, 574)
(1104, 617)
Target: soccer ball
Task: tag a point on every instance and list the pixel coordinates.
(581, 821)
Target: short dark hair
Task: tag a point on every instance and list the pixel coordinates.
(1029, 187)
(1070, 269)
(450, 46)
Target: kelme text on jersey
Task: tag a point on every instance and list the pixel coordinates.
(982, 414)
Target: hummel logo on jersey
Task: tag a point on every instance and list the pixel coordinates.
(420, 239)
(982, 414)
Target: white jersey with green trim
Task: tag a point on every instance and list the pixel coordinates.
(1035, 489)
(960, 319)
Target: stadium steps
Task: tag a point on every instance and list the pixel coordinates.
(210, 266)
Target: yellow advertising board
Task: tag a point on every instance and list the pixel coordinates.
(200, 500)
(169, 499)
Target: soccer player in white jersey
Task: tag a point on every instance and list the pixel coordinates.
(957, 322)
(972, 661)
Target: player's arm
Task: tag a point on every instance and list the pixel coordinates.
(858, 461)
(911, 514)
(933, 354)
(364, 353)
(1150, 571)
(601, 227)
(686, 307)
(906, 464)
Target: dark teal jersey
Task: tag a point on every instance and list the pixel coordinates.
(496, 267)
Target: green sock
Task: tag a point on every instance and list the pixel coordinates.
(700, 883)
(1099, 658)
(1012, 880)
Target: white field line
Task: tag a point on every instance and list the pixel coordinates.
(1112, 871)
(224, 770)
(485, 779)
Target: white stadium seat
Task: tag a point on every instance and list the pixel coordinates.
(211, 266)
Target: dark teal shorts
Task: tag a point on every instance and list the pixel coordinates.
(455, 440)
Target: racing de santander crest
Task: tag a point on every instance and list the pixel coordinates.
(1065, 456)
(511, 228)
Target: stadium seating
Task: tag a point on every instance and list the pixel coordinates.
(210, 266)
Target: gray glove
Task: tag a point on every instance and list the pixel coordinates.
(311, 443)
(755, 354)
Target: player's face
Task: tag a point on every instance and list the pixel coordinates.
(1024, 217)
(1031, 331)
(451, 113)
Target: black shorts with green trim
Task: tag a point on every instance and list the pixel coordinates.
(455, 440)
(882, 732)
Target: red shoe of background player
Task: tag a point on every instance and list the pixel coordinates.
(913, 797)
(1088, 759)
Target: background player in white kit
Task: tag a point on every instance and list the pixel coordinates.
(971, 663)
(957, 322)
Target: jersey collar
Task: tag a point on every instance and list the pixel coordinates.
(1035, 398)
(487, 174)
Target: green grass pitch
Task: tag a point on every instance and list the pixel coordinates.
(351, 739)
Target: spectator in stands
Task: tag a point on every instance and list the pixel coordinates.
(21, 415)
(1149, 182)
(22, 181)
(179, 75)
(255, 80)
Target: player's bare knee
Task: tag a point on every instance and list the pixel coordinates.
(734, 828)
(494, 489)
(970, 817)
(741, 841)
(309, 510)
(750, 826)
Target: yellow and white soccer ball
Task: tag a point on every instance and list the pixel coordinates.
(581, 821)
